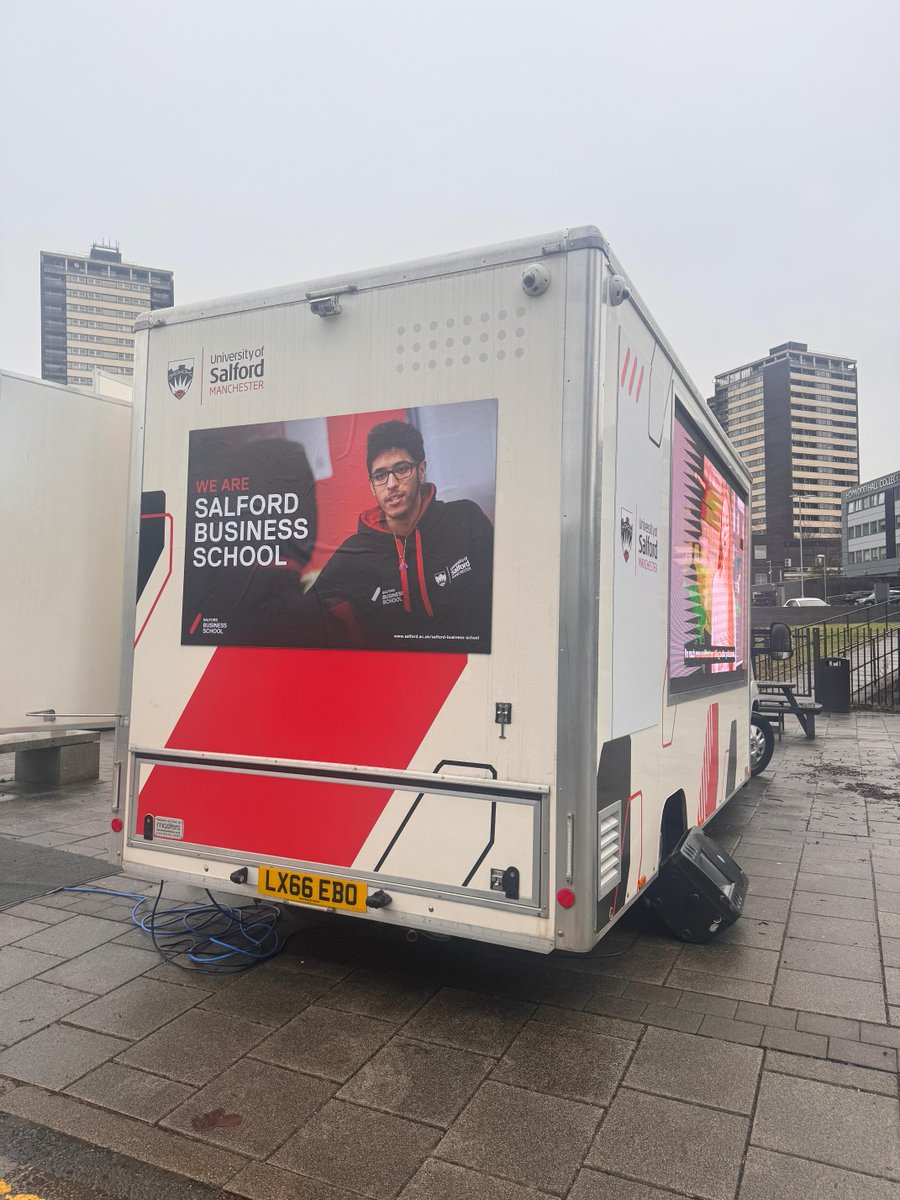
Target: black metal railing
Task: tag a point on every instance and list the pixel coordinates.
(868, 638)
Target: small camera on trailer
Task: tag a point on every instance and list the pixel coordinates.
(535, 279)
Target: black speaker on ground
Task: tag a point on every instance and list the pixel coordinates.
(700, 889)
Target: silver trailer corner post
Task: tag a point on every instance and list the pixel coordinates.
(129, 587)
(575, 801)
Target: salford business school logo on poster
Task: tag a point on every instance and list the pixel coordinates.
(180, 377)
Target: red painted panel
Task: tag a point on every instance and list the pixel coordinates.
(286, 818)
(359, 707)
(709, 780)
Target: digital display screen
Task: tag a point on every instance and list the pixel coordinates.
(708, 579)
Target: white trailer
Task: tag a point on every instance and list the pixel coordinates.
(474, 679)
(63, 499)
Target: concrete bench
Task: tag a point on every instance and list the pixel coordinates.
(64, 756)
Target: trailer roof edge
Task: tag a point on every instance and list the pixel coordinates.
(561, 241)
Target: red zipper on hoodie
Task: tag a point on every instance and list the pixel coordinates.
(421, 566)
(373, 519)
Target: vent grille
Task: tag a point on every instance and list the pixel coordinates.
(475, 338)
(609, 849)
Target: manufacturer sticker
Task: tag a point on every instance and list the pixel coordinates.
(169, 827)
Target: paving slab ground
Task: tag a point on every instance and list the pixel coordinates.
(760, 1067)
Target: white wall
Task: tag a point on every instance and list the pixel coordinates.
(63, 482)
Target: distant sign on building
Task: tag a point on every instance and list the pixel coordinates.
(875, 485)
(869, 528)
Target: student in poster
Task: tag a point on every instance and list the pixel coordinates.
(418, 572)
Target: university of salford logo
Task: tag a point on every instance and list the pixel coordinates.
(181, 376)
(440, 578)
(626, 533)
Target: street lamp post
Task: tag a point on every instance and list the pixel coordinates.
(799, 498)
(824, 558)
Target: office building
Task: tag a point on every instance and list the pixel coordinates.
(88, 308)
(870, 528)
(792, 417)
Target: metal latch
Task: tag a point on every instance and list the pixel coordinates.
(503, 717)
(505, 881)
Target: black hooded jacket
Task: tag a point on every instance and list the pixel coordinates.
(431, 590)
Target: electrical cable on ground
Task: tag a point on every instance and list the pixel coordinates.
(592, 957)
(204, 931)
(214, 938)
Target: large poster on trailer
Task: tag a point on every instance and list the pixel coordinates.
(368, 531)
(708, 567)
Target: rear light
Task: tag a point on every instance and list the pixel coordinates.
(565, 897)
(115, 825)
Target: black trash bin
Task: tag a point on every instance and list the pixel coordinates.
(833, 684)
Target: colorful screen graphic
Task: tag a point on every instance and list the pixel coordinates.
(369, 531)
(708, 568)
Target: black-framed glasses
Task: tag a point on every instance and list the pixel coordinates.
(400, 471)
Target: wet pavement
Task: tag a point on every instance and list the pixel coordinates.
(355, 1063)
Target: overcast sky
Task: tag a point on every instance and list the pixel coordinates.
(742, 159)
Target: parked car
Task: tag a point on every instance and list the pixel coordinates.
(846, 597)
(869, 598)
(806, 602)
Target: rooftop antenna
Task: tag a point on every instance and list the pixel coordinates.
(107, 250)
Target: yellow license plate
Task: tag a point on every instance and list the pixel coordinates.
(345, 894)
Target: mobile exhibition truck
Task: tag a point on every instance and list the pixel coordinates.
(443, 597)
(63, 496)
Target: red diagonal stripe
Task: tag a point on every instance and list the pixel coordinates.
(162, 587)
(319, 705)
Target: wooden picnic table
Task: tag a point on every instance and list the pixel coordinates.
(777, 698)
